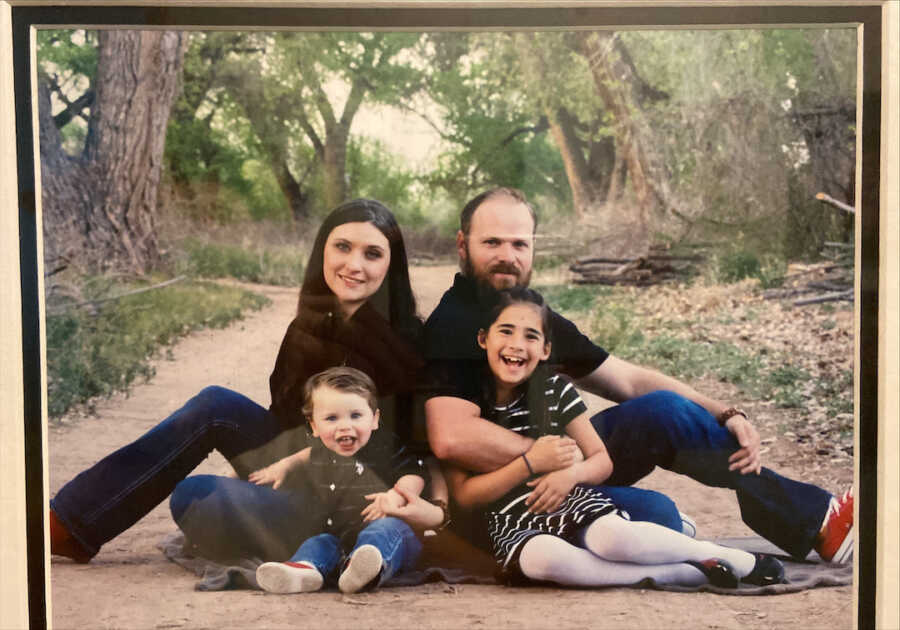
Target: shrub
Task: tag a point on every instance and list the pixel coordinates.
(92, 354)
(738, 265)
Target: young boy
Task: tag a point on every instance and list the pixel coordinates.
(357, 482)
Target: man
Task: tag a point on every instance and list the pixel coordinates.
(659, 421)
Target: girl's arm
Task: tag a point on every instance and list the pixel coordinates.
(549, 452)
(597, 465)
(552, 489)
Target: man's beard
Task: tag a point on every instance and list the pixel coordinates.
(486, 290)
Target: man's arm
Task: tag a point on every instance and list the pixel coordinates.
(619, 380)
(457, 433)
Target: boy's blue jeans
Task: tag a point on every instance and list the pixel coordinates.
(399, 547)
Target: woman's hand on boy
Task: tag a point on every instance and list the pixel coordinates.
(552, 452)
(550, 490)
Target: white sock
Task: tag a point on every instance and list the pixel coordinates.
(619, 540)
(550, 558)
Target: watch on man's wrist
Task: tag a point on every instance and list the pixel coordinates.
(723, 417)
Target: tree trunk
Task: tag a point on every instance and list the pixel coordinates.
(614, 81)
(586, 182)
(99, 208)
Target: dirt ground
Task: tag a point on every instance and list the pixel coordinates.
(129, 584)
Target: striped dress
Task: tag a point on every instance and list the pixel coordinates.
(509, 524)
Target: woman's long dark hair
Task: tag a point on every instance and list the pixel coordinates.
(394, 299)
(535, 386)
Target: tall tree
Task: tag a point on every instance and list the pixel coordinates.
(99, 205)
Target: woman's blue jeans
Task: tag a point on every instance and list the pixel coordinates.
(667, 430)
(117, 491)
(399, 547)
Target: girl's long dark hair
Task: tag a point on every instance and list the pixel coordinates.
(394, 299)
(536, 384)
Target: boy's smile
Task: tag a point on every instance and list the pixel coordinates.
(515, 344)
(342, 420)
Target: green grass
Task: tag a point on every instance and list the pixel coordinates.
(266, 265)
(572, 299)
(97, 353)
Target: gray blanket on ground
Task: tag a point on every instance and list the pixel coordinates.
(800, 575)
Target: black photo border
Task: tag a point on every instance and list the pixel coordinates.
(454, 16)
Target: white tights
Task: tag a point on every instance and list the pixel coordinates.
(624, 552)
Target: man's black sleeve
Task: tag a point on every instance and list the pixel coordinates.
(572, 353)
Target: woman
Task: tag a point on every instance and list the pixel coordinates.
(356, 308)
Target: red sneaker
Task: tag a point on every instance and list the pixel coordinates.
(835, 541)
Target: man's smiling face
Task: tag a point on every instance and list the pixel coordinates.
(499, 249)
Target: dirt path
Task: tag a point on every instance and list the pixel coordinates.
(131, 585)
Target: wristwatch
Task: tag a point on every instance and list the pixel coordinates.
(446, 510)
(730, 412)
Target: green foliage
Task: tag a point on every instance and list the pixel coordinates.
(375, 173)
(494, 134)
(260, 264)
(738, 265)
(97, 354)
(71, 53)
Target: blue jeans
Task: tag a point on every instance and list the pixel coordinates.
(667, 430)
(399, 547)
(108, 498)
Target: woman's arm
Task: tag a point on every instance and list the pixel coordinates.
(276, 473)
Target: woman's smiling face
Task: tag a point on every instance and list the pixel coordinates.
(356, 260)
(515, 344)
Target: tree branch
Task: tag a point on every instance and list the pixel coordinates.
(75, 108)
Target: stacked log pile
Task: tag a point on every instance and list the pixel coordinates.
(828, 281)
(641, 272)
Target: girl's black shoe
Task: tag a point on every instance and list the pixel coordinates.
(767, 570)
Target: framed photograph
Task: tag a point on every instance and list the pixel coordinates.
(454, 144)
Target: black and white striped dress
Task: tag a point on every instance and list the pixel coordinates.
(509, 524)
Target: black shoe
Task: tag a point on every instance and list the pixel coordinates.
(767, 570)
(718, 572)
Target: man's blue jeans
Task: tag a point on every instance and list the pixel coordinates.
(115, 493)
(399, 547)
(667, 430)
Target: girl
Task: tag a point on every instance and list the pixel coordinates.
(356, 308)
(545, 521)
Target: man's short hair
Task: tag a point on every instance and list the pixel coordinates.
(344, 379)
(465, 217)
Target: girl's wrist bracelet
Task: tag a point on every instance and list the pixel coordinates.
(528, 464)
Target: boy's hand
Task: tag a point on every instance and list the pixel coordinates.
(550, 490)
(552, 452)
(274, 474)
